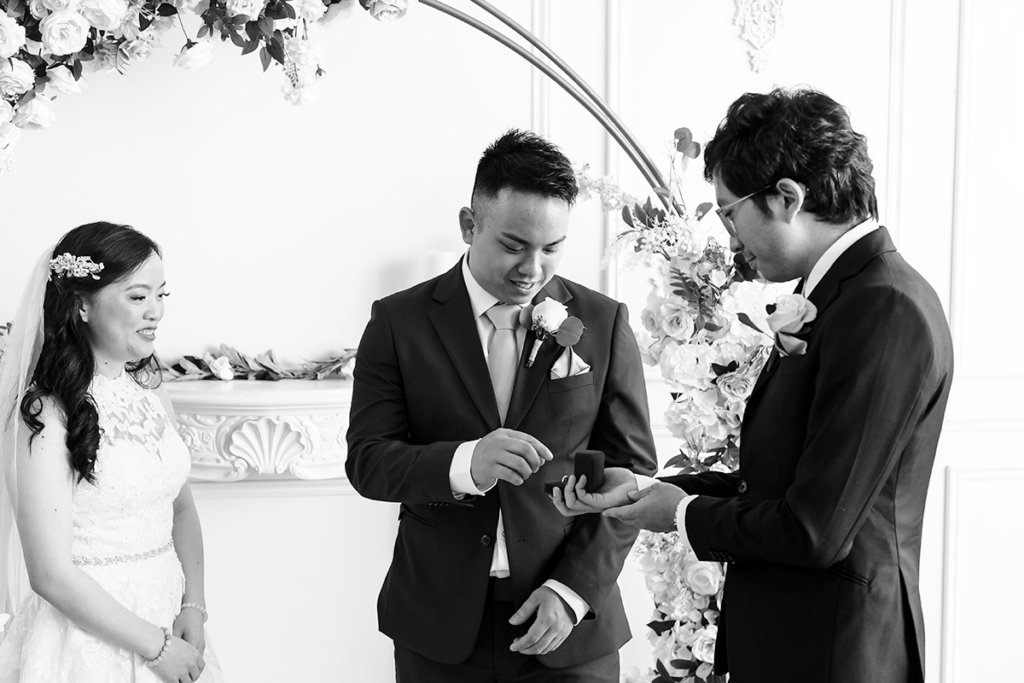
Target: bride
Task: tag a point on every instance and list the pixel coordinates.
(107, 583)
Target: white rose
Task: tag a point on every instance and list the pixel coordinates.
(38, 9)
(12, 36)
(58, 5)
(299, 94)
(703, 645)
(9, 136)
(736, 386)
(387, 10)
(792, 312)
(140, 48)
(36, 114)
(548, 315)
(195, 57)
(106, 15)
(64, 32)
(676, 321)
(63, 81)
(221, 368)
(6, 112)
(705, 578)
(16, 78)
(309, 10)
(338, 10)
(249, 8)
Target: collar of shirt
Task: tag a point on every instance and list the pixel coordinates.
(479, 298)
(833, 253)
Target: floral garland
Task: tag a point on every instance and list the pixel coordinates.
(702, 327)
(230, 364)
(49, 47)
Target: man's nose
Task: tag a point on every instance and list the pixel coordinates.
(530, 265)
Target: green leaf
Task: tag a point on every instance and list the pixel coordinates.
(266, 25)
(289, 10)
(265, 58)
(251, 46)
(276, 47)
(166, 10)
(203, 31)
(702, 210)
(683, 138)
(237, 39)
(692, 150)
(627, 216)
(684, 664)
(745, 319)
(660, 627)
(569, 332)
(252, 29)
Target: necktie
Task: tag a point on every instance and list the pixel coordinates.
(503, 353)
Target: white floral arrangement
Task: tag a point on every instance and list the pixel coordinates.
(49, 47)
(702, 327)
(5, 332)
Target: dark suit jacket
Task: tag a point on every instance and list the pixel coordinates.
(821, 525)
(422, 388)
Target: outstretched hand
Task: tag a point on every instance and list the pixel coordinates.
(653, 508)
(509, 455)
(573, 499)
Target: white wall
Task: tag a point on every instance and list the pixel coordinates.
(281, 225)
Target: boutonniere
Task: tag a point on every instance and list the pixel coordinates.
(547, 319)
(790, 318)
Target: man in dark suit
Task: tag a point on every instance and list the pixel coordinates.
(821, 524)
(487, 577)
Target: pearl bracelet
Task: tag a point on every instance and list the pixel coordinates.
(197, 607)
(167, 643)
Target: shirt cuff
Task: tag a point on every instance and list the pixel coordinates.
(460, 476)
(643, 481)
(578, 605)
(681, 520)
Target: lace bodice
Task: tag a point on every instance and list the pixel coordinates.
(141, 465)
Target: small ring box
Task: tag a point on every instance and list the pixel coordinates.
(590, 463)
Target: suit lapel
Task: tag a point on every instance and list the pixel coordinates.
(529, 380)
(453, 321)
(849, 264)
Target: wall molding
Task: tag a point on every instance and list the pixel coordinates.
(760, 21)
(956, 479)
(890, 213)
(291, 429)
(958, 262)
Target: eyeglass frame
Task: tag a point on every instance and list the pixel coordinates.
(730, 226)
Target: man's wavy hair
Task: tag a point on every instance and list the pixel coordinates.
(524, 162)
(803, 135)
(67, 364)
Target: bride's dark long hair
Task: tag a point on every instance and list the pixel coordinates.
(66, 363)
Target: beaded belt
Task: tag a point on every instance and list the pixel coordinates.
(121, 559)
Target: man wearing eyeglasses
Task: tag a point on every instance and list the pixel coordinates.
(821, 524)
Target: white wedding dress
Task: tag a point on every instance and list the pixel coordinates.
(122, 539)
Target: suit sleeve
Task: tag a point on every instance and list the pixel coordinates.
(598, 545)
(878, 374)
(381, 463)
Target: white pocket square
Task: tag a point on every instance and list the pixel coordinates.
(569, 364)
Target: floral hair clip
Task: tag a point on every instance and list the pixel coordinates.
(67, 265)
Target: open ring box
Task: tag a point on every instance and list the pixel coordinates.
(590, 463)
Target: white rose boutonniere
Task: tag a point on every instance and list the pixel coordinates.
(789, 318)
(547, 319)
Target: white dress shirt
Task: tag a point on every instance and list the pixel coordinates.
(460, 475)
(821, 267)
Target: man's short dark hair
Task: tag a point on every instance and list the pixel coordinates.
(525, 162)
(799, 134)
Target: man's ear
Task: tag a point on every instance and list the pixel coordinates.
(793, 195)
(467, 223)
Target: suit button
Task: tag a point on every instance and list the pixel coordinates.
(743, 486)
(485, 540)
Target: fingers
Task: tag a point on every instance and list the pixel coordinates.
(539, 640)
(540, 449)
(526, 611)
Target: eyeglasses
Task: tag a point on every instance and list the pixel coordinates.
(726, 220)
